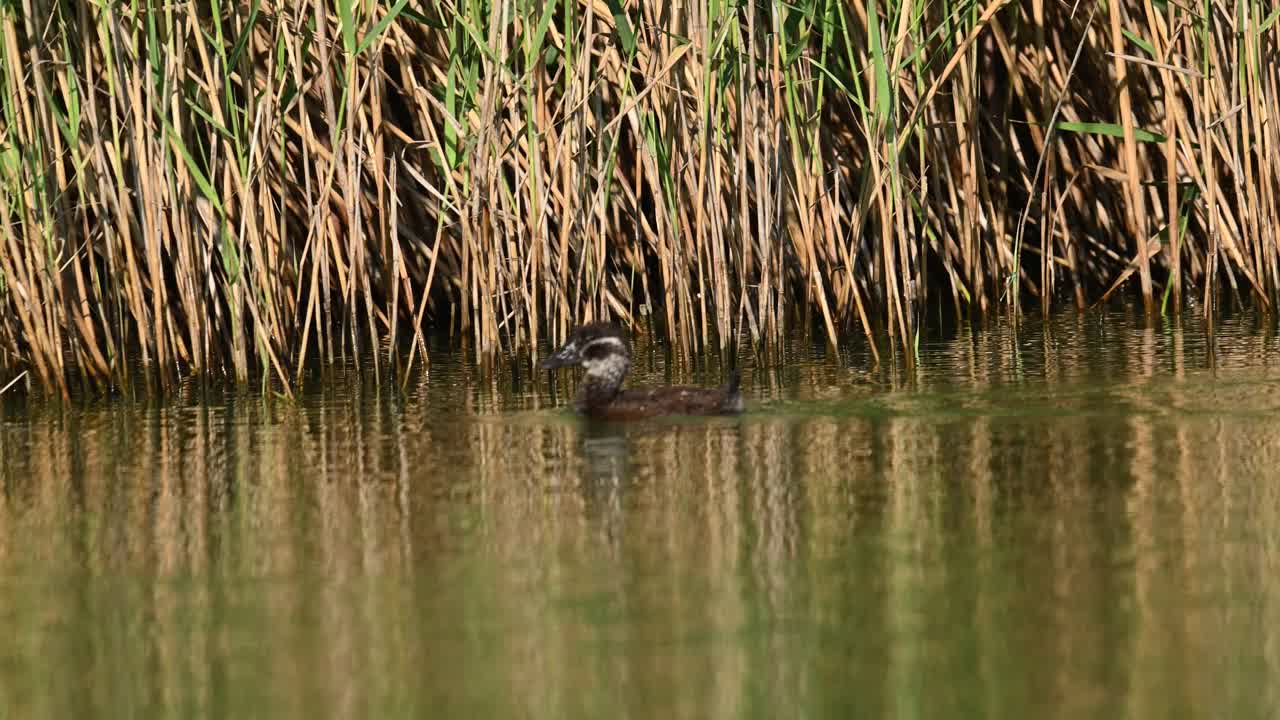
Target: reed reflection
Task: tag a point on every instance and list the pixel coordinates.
(1020, 527)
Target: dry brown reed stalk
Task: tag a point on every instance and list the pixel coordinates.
(240, 189)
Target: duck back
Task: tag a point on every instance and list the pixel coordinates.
(674, 400)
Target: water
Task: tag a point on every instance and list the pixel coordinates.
(1080, 519)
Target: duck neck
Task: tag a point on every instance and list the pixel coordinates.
(602, 382)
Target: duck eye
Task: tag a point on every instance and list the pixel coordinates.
(597, 351)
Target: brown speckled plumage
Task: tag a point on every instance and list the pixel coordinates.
(603, 350)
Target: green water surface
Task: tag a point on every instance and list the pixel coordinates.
(1079, 519)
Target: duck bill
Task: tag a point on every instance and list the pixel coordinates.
(565, 356)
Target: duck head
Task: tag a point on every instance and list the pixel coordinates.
(600, 348)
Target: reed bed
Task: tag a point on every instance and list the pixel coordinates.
(239, 189)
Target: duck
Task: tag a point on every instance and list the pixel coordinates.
(603, 350)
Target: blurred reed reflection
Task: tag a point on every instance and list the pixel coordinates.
(1079, 518)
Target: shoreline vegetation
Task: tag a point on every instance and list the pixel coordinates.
(238, 189)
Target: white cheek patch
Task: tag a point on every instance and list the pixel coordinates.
(611, 366)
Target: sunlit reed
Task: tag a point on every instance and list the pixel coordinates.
(239, 188)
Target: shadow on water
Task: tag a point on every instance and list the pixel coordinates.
(1079, 519)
